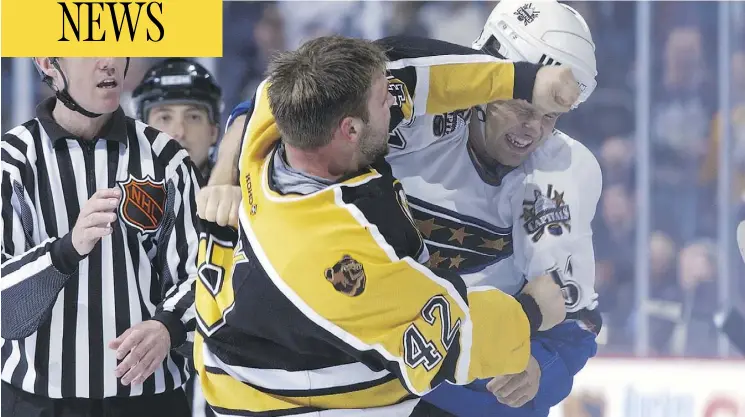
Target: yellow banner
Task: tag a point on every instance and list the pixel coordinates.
(67, 28)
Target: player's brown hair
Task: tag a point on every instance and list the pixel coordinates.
(314, 87)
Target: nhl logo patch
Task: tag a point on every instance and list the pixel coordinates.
(143, 203)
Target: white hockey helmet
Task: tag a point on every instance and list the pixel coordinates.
(542, 32)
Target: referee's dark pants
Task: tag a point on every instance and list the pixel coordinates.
(19, 403)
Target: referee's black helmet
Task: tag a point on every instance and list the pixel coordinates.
(178, 80)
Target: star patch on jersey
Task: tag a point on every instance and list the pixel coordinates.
(143, 203)
(546, 212)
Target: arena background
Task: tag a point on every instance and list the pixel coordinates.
(671, 79)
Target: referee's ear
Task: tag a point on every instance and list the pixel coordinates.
(45, 66)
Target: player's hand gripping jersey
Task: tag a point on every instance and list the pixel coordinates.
(323, 304)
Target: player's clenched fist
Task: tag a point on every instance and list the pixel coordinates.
(547, 294)
(94, 220)
(219, 204)
(555, 89)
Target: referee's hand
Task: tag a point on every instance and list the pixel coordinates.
(94, 220)
(140, 349)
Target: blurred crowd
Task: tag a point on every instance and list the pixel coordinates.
(683, 142)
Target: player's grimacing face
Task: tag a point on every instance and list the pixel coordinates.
(374, 141)
(95, 83)
(514, 129)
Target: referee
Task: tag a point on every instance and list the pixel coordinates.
(98, 254)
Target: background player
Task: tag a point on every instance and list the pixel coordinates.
(180, 97)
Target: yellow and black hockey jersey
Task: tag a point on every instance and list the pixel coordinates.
(322, 308)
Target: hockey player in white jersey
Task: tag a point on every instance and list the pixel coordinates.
(502, 197)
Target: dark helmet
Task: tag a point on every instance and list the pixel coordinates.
(178, 80)
(64, 95)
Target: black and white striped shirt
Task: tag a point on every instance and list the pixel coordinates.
(60, 310)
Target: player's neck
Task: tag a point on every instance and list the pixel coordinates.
(314, 162)
(490, 170)
(77, 124)
(477, 146)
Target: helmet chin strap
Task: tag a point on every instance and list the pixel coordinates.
(70, 103)
(64, 95)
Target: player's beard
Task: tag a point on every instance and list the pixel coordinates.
(373, 144)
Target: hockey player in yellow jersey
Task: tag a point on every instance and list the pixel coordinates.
(323, 309)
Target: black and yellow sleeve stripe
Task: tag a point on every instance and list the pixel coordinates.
(428, 76)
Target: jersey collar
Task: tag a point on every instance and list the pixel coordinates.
(115, 129)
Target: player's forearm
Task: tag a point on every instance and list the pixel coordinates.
(442, 77)
(561, 352)
(501, 334)
(464, 85)
(225, 171)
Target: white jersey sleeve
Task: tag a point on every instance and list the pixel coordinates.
(552, 218)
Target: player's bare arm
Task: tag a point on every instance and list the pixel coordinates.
(225, 171)
(219, 201)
